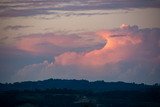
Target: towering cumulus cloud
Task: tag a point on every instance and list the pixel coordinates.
(115, 50)
(129, 54)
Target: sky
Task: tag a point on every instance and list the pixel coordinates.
(110, 40)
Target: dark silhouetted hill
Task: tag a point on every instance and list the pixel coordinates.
(75, 85)
(78, 93)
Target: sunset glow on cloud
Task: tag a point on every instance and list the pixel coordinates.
(111, 40)
(117, 48)
(53, 43)
(124, 47)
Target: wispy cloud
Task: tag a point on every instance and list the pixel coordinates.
(17, 27)
(31, 7)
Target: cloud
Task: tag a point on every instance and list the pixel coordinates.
(23, 12)
(51, 43)
(36, 70)
(17, 27)
(18, 8)
(130, 54)
(113, 52)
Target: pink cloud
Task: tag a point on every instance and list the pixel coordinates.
(115, 50)
(129, 54)
(51, 43)
(34, 43)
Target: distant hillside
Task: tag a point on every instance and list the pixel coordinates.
(76, 85)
